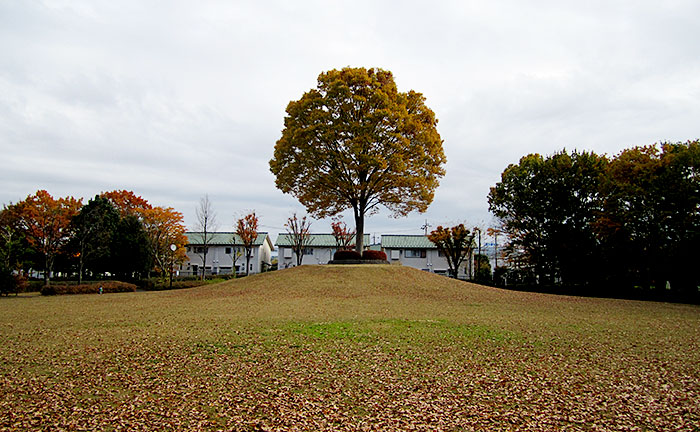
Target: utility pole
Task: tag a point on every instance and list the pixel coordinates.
(426, 226)
(478, 262)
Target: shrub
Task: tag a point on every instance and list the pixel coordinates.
(345, 255)
(374, 255)
(11, 282)
(91, 288)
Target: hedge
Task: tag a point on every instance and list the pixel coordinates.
(345, 255)
(374, 255)
(91, 288)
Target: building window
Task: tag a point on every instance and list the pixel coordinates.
(415, 253)
(228, 251)
(199, 249)
(308, 251)
(441, 253)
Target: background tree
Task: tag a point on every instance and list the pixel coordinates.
(357, 142)
(344, 236)
(132, 251)
(482, 269)
(13, 249)
(547, 207)
(131, 254)
(649, 226)
(92, 231)
(206, 224)
(127, 202)
(247, 230)
(165, 227)
(47, 225)
(456, 244)
(13, 243)
(299, 231)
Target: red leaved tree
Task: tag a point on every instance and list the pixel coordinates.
(247, 230)
(344, 237)
(299, 231)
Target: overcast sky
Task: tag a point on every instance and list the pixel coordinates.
(174, 100)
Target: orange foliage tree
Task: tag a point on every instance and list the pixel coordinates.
(47, 225)
(456, 244)
(165, 227)
(127, 202)
(247, 230)
(357, 142)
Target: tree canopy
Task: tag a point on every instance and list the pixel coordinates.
(578, 219)
(356, 142)
(547, 206)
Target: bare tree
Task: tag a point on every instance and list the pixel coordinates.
(205, 226)
(299, 235)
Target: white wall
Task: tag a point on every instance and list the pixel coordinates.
(219, 262)
(432, 261)
(321, 255)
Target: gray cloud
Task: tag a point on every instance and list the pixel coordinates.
(178, 99)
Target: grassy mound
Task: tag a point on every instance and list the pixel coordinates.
(347, 348)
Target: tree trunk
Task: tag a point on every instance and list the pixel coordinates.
(359, 228)
(300, 256)
(204, 260)
(47, 270)
(80, 269)
(247, 262)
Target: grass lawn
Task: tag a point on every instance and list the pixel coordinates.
(347, 348)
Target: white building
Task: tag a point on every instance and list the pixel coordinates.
(319, 250)
(225, 250)
(418, 252)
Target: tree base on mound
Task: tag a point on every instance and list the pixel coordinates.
(358, 261)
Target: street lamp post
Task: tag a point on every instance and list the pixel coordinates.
(173, 248)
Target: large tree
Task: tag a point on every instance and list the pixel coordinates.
(547, 206)
(356, 142)
(165, 227)
(131, 255)
(93, 231)
(650, 226)
(47, 225)
(13, 242)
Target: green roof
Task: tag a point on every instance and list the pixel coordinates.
(317, 240)
(407, 242)
(222, 239)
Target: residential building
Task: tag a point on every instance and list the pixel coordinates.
(319, 250)
(226, 251)
(418, 252)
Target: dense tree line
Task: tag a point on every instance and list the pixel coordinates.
(116, 233)
(578, 219)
